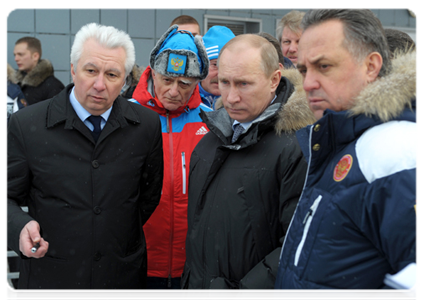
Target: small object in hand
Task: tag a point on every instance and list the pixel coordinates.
(34, 249)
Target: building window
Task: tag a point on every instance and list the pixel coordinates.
(237, 25)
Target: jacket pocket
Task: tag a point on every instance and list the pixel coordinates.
(54, 259)
(307, 221)
(302, 245)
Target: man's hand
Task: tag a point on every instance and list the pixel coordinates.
(29, 237)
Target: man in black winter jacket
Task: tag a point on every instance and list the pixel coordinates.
(243, 189)
(35, 76)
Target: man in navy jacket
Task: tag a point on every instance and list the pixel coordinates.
(356, 219)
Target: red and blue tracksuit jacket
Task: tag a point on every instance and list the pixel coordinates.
(165, 231)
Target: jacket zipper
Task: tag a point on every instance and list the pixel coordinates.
(307, 221)
(169, 130)
(184, 174)
(305, 183)
(167, 122)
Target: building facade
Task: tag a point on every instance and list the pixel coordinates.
(56, 28)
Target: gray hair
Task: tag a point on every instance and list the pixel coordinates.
(106, 36)
(292, 20)
(363, 32)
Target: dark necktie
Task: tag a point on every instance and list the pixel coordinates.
(96, 121)
(237, 132)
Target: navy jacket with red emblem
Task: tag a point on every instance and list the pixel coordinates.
(182, 129)
(356, 219)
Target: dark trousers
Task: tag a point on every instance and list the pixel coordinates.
(163, 283)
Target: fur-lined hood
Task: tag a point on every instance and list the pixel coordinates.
(36, 76)
(296, 113)
(387, 96)
(136, 74)
(11, 74)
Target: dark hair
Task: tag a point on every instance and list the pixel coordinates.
(399, 42)
(275, 44)
(363, 32)
(184, 19)
(33, 44)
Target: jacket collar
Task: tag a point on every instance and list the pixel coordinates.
(36, 76)
(220, 123)
(288, 113)
(386, 97)
(60, 110)
(143, 94)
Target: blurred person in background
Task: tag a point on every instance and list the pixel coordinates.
(35, 76)
(15, 98)
(284, 62)
(214, 40)
(288, 32)
(187, 23)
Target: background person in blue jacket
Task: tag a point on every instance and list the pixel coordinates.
(214, 40)
(15, 98)
(356, 219)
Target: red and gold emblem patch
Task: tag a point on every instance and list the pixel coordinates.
(342, 168)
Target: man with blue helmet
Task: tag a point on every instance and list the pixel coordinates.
(214, 40)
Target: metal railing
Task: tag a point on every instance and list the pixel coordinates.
(12, 275)
(11, 253)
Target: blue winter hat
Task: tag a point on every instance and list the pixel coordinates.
(215, 38)
(178, 53)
